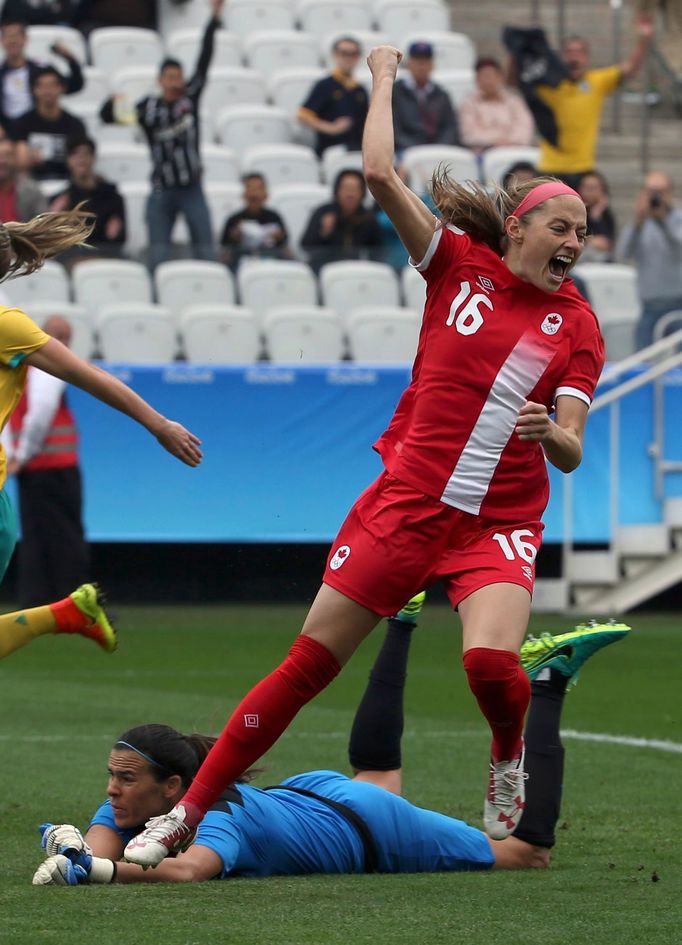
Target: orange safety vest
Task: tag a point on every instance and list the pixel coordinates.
(60, 446)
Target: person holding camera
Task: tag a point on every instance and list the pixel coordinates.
(653, 241)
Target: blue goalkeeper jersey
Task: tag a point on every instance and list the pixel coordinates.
(279, 832)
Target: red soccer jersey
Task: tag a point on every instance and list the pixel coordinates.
(489, 342)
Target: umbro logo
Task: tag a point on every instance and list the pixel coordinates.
(251, 720)
(485, 283)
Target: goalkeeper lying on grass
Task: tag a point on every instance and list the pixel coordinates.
(322, 821)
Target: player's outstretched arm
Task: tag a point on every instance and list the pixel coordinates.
(56, 359)
(412, 219)
(195, 865)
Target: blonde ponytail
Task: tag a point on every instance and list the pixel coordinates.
(478, 211)
(24, 247)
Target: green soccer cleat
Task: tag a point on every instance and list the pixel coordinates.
(412, 608)
(89, 599)
(567, 652)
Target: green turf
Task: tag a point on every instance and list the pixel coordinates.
(64, 702)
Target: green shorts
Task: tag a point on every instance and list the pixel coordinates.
(8, 532)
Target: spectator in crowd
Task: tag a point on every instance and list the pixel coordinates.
(42, 134)
(336, 107)
(577, 103)
(601, 223)
(18, 74)
(654, 242)
(256, 230)
(670, 34)
(344, 228)
(494, 116)
(42, 451)
(20, 197)
(93, 14)
(102, 198)
(171, 124)
(422, 110)
(519, 173)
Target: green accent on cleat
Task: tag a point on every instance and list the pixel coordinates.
(89, 599)
(412, 608)
(566, 652)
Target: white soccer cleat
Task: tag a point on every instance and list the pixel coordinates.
(506, 797)
(168, 833)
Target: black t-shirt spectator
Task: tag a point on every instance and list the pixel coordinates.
(50, 137)
(604, 225)
(357, 236)
(338, 97)
(105, 202)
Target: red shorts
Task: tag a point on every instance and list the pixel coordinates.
(396, 541)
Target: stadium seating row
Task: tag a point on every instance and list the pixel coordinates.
(263, 287)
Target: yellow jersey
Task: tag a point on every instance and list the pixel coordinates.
(19, 337)
(577, 108)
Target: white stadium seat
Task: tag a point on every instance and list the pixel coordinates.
(450, 50)
(191, 281)
(245, 126)
(137, 333)
(95, 90)
(351, 284)
(221, 165)
(82, 336)
(41, 39)
(383, 335)
(458, 83)
(115, 47)
(88, 112)
(236, 86)
(325, 17)
(129, 85)
(497, 161)
(612, 290)
(336, 159)
(304, 335)
(413, 285)
(124, 162)
(220, 334)
(248, 16)
(135, 194)
(271, 50)
(223, 200)
(295, 203)
(96, 282)
(174, 17)
(51, 282)
(184, 45)
(289, 88)
(283, 164)
(397, 18)
(421, 161)
(265, 284)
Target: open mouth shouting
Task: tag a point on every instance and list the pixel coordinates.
(558, 267)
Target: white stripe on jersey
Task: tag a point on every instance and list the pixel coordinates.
(468, 485)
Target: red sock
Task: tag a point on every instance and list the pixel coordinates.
(68, 617)
(261, 717)
(503, 693)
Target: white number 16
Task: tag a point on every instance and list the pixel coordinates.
(517, 547)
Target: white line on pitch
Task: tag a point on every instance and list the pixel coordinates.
(629, 741)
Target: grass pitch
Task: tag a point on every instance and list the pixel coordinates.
(616, 876)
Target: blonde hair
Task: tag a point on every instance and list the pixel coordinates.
(473, 208)
(24, 247)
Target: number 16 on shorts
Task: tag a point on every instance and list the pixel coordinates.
(520, 545)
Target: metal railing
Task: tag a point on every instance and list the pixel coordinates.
(662, 357)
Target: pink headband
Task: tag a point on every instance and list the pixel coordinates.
(544, 192)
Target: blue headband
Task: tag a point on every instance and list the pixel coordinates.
(148, 758)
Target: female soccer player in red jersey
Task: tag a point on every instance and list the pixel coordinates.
(505, 340)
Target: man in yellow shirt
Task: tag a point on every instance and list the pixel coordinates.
(578, 100)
